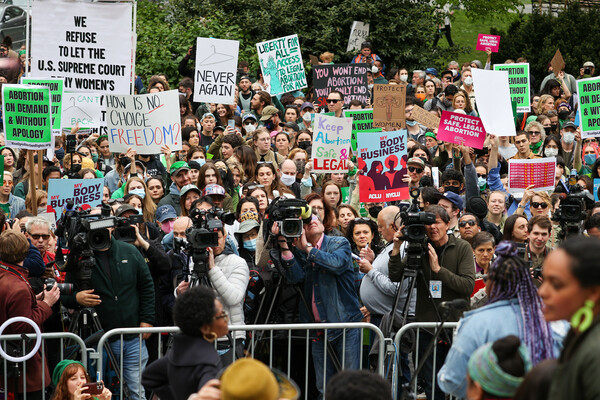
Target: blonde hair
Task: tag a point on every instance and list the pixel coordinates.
(148, 205)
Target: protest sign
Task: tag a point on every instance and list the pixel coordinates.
(425, 118)
(557, 63)
(388, 106)
(461, 129)
(485, 42)
(596, 187)
(493, 102)
(216, 68)
(86, 109)
(538, 172)
(382, 165)
(56, 91)
(331, 144)
(518, 83)
(358, 34)
(85, 193)
(143, 122)
(350, 79)
(589, 106)
(27, 119)
(281, 64)
(362, 121)
(87, 44)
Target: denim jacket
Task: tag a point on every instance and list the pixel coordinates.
(330, 274)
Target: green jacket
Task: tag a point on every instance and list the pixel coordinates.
(576, 376)
(127, 295)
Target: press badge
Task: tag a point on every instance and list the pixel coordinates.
(435, 288)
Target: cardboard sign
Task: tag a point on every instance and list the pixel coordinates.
(557, 63)
(27, 119)
(281, 64)
(493, 102)
(331, 144)
(382, 166)
(350, 79)
(85, 193)
(56, 91)
(86, 109)
(87, 44)
(358, 34)
(143, 122)
(216, 68)
(538, 172)
(425, 118)
(518, 83)
(362, 121)
(461, 129)
(388, 106)
(485, 42)
(589, 106)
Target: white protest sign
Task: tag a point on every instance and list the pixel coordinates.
(281, 64)
(493, 102)
(86, 109)
(143, 122)
(85, 43)
(358, 34)
(331, 144)
(216, 67)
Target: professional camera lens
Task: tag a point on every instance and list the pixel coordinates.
(99, 239)
(291, 227)
(65, 288)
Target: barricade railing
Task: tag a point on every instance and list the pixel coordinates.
(62, 336)
(431, 326)
(270, 328)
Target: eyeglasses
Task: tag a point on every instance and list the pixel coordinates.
(484, 176)
(470, 222)
(535, 204)
(413, 169)
(534, 132)
(223, 315)
(332, 101)
(7, 183)
(35, 236)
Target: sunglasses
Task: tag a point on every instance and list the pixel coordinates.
(332, 101)
(413, 169)
(484, 176)
(35, 236)
(470, 222)
(535, 204)
(246, 122)
(534, 132)
(7, 183)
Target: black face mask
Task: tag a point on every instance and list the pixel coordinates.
(374, 211)
(563, 115)
(548, 130)
(452, 189)
(553, 127)
(304, 145)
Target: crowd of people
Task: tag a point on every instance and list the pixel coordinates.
(523, 268)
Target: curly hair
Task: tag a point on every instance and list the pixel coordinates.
(375, 245)
(193, 309)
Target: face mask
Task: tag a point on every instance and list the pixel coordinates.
(568, 137)
(139, 210)
(454, 72)
(139, 192)
(374, 211)
(411, 123)
(548, 130)
(167, 226)
(551, 152)
(453, 189)
(41, 210)
(250, 128)
(481, 182)
(421, 96)
(404, 78)
(306, 117)
(374, 70)
(124, 161)
(60, 153)
(95, 157)
(447, 103)
(370, 86)
(590, 159)
(553, 126)
(468, 81)
(201, 161)
(304, 145)
(75, 168)
(433, 149)
(250, 245)
(287, 180)
(563, 115)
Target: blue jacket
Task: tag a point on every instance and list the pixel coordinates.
(494, 183)
(330, 273)
(478, 327)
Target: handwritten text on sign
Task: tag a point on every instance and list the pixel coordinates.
(350, 79)
(281, 64)
(461, 129)
(485, 42)
(145, 122)
(216, 64)
(331, 145)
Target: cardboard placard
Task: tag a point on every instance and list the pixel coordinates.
(461, 129)
(382, 165)
(362, 121)
(388, 106)
(85, 193)
(539, 172)
(425, 118)
(216, 68)
(557, 63)
(358, 34)
(493, 102)
(485, 42)
(518, 84)
(589, 106)
(281, 64)
(331, 144)
(350, 79)
(56, 86)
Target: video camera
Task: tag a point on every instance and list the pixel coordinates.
(574, 201)
(290, 215)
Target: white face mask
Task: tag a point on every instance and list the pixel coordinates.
(306, 117)
(287, 180)
(139, 210)
(374, 70)
(468, 81)
(250, 128)
(551, 152)
(404, 78)
(568, 137)
(454, 72)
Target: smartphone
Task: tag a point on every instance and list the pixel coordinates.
(93, 388)
(231, 123)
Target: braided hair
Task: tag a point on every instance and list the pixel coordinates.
(511, 278)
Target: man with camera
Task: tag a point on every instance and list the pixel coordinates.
(446, 273)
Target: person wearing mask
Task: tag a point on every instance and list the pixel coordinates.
(287, 177)
(246, 235)
(415, 130)
(165, 218)
(571, 145)
(306, 111)
(249, 124)
(180, 175)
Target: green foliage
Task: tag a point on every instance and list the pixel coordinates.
(479, 10)
(538, 37)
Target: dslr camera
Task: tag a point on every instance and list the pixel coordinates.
(574, 201)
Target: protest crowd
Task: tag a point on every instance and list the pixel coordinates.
(315, 202)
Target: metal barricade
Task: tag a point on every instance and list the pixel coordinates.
(271, 328)
(62, 336)
(416, 326)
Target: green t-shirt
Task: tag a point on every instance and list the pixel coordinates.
(6, 208)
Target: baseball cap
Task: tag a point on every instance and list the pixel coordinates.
(165, 212)
(247, 226)
(193, 164)
(268, 112)
(138, 165)
(179, 166)
(247, 116)
(307, 104)
(290, 124)
(589, 64)
(454, 199)
(569, 124)
(416, 160)
(187, 188)
(124, 208)
(431, 71)
(213, 189)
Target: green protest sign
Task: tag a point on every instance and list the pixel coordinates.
(589, 106)
(27, 119)
(362, 121)
(56, 90)
(518, 83)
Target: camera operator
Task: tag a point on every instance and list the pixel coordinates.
(123, 295)
(447, 273)
(17, 299)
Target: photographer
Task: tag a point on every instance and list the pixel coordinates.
(446, 273)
